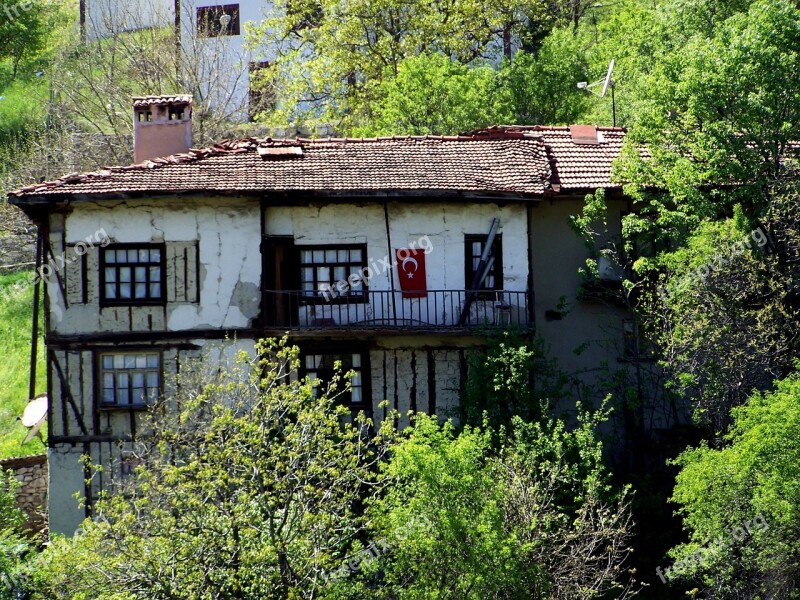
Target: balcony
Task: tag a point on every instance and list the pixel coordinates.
(388, 310)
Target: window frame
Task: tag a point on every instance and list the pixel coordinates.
(106, 302)
(205, 15)
(497, 268)
(364, 370)
(334, 297)
(100, 371)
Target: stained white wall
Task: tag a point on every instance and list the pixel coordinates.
(106, 17)
(227, 233)
(443, 223)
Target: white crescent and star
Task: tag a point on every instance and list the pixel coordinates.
(412, 260)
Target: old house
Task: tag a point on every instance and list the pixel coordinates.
(374, 252)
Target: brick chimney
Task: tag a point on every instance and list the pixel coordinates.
(162, 126)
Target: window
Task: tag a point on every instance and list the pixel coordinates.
(473, 249)
(213, 21)
(132, 274)
(322, 367)
(324, 272)
(262, 89)
(130, 378)
(635, 345)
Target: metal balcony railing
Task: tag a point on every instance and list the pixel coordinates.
(436, 309)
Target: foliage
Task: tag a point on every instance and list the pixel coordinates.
(16, 299)
(542, 85)
(24, 27)
(534, 519)
(740, 502)
(717, 115)
(510, 377)
(13, 545)
(249, 487)
(433, 94)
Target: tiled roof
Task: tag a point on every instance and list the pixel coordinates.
(575, 164)
(144, 101)
(505, 159)
(482, 165)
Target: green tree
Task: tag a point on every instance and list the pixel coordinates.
(23, 30)
(434, 94)
(14, 546)
(465, 520)
(740, 503)
(249, 488)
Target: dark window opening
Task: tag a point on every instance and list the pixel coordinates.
(130, 379)
(213, 21)
(323, 367)
(473, 249)
(176, 113)
(132, 274)
(635, 346)
(328, 273)
(145, 116)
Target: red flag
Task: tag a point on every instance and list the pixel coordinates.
(411, 271)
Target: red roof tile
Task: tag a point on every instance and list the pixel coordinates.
(576, 165)
(475, 164)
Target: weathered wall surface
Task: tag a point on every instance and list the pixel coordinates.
(212, 273)
(443, 223)
(589, 334)
(31, 472)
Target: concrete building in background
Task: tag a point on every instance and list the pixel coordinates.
(394, 256)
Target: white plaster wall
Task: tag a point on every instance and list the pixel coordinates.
(66, 477)
(229, 237)
(106, 17)
(444, 224)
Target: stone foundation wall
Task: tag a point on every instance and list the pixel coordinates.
(31, 472)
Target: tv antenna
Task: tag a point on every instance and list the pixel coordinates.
(607, 83)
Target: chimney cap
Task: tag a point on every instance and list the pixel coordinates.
(166, 100)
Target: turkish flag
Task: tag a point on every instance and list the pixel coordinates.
(411, 271)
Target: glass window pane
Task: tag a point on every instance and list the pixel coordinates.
(111, 274)
(319, 256)
(111, 291)
(323, 274)
(155, 255)
(144, 255)
(152, 393)
(125, 291)
(108, 380)
(152, 379)
(110, 257)
(141, 361)
(139, 396)
(130, 361)
(308, 274)
(344, 256)
(356, 360)
(141, 291)
(310, 362)
(123, 381)
(355, 255)
(308, 286)
(155, 273)
(152, 361)
(340, 273)
(108, 362)
(137, 379)
(306, 256)
(330, 256)
(133, 256)
(125, 274)
(122, 256)
(355, 395)
(108, 395)
(155, 290)
(119, 361)
(140, 274)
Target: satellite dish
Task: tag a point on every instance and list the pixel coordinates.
(34, 416)
(608, 82)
